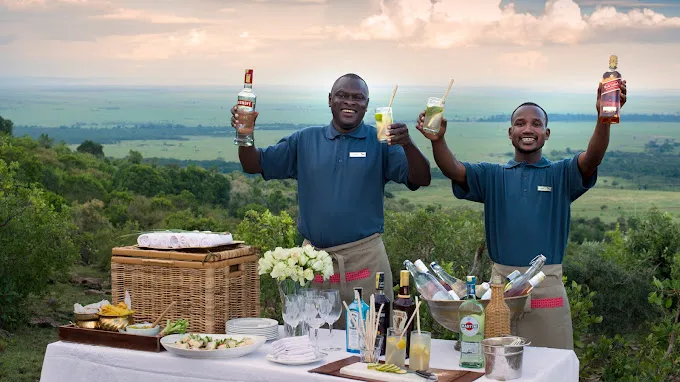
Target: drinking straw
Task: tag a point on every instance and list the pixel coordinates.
(394, 93)
(441, 102)
(418, 315)
(409, 320)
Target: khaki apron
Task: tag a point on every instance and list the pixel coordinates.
(548, 319)
(355, 265)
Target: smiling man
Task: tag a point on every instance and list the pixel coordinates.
(341, 170)
(527, 210)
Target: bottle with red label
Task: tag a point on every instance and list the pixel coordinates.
(610, 99)
(245, 110)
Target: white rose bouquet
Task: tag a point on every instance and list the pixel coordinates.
(299, 264)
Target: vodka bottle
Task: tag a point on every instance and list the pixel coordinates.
(457, 285)
(245, 106)
(427, 285)
(471, 316)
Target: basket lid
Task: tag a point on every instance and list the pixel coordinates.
(204, 255)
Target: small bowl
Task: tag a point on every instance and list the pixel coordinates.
(150, 332)
(115, 323)
(92, 324)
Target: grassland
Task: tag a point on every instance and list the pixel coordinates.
(606, 202)
(470, 141)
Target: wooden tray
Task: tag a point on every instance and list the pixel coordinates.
(72, 333)
(333, 369)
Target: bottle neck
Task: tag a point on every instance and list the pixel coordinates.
(471, 292)
(247, 86)
(404, 292)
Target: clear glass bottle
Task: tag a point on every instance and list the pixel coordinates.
(427, 285)
(457, 285)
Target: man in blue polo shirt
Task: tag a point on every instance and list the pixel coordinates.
(341, 170)
(527, 210)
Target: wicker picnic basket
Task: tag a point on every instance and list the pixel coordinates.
(210, 287)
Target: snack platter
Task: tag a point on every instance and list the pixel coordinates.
(123, 340)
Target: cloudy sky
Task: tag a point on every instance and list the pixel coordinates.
(535, 44)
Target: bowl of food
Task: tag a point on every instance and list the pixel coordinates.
(201, 345)
(143, 329)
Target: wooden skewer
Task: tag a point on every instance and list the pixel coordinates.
(163, 314)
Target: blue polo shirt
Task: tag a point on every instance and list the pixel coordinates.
(527, 207)
(341, 180)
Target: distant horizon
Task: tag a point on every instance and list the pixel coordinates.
(139, 84)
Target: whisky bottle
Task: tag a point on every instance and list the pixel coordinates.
(402, 308)
(380, 299)
(610, 98)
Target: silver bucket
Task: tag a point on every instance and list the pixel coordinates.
(503, 361)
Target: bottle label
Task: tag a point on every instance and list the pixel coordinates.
(353, 334)
(611, 85)
(469, 326)
(245, 103)
(471, 348)
(399, 319)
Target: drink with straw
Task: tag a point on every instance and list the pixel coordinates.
(383, 119)
(433, 115)
(395, 351)
(419, 358)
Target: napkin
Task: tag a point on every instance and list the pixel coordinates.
(294, 349)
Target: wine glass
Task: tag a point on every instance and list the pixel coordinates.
(332, 313)
(313, 308)
(293, 311)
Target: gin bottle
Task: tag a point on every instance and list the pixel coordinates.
(427, 285)
(357, 310)
(471, 316)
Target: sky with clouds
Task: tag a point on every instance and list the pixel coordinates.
(534, 44)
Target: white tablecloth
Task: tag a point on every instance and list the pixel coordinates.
(74, 362)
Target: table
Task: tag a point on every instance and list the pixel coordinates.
(65, 361)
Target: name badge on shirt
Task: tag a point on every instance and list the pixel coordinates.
(357, 154)
(544, 188)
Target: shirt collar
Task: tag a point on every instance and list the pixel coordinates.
(540, 164)
(361, 132)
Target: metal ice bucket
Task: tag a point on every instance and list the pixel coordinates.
(502, 360)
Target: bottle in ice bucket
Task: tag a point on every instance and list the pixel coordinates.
(520, 290)
(358, 312)
(457, 285)
(536, 265)
(471, 329)
(427, 285)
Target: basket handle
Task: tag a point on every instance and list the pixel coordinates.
(165, 263)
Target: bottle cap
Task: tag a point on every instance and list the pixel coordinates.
(249, 76)
(472, 279)
(540, 276)
(497, 280)
(379, 280)
(404, 277)
(613, 61)
(421, 266)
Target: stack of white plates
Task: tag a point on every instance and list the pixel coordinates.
(265, 327)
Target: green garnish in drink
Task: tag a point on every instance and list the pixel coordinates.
(433, 110)
(378, 117)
